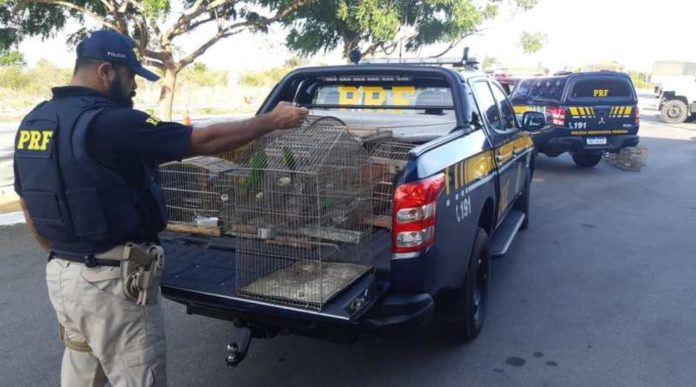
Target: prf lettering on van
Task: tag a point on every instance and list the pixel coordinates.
(34, 142)
(600, 92)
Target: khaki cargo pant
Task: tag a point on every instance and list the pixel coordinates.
(126, 340)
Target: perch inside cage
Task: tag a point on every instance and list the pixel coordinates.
(298, 213)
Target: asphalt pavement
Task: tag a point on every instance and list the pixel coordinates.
(599, 291)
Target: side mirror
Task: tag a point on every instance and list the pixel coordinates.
(533, 121)
(476, 121)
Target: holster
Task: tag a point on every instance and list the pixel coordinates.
(141, 271)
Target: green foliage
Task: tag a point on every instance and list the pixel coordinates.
(532, 42)
(34, 80)
(22, 87)
(12, 58)
(526, 5)
(489, 62)
(379, 25)
(200, 76)
(266, 77)
(640, 80)
(155, 8)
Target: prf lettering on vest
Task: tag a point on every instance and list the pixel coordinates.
(34, 140)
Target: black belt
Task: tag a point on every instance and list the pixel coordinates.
(87, 260)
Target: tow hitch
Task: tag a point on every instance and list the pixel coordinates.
(237, 351)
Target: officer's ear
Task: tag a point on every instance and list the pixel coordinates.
(106, 72)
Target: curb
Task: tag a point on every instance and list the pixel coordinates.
(12, 218)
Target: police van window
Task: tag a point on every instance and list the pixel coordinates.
(549, 89)
(602, 88)
(522, 89)
(487, 104)
(508, 113)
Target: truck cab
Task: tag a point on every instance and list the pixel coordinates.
(454, 197)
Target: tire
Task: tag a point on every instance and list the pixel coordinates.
(674, 111)
(471, 300)
(587, 160)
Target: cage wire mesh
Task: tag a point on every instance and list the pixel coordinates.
(198, 193)
(388, 160)
(299, 210)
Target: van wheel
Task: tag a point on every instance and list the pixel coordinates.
(586, 160)
(674, 111)
(470, 301)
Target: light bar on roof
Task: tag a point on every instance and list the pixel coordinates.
(452, 61)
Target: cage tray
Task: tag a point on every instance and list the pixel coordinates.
(310, 283)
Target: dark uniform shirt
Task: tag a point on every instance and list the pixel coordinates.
(122, 139)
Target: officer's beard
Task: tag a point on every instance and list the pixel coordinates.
(116, 92)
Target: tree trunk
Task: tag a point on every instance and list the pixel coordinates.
(166, 98)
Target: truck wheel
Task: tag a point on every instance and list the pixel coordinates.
(674, 111)
(470, 301)
(587, 160)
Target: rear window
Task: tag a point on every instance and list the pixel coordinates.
(381, 93)
(602, 88)
(543, 89)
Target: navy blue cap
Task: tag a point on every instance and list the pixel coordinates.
(111, 46)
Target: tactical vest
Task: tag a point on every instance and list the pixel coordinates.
(77, 204)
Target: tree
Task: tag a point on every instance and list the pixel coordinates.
(489, 62)
(154, 25)
(382, 26)
(12, 58)
(532, 42)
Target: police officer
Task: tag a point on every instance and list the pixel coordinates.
(85, 164)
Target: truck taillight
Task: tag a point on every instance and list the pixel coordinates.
(557, 114)
(637, 119)
(413, 222)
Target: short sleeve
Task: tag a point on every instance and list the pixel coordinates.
(121, 132)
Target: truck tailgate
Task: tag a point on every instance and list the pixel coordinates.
(201, 270)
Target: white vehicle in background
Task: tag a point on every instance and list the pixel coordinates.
(675, 86)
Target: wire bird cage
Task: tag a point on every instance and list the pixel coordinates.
(299, 211)
(388, 160)
(198, 193)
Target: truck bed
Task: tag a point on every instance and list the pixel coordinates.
(203, 268)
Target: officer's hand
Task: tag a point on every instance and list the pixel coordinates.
(286, 116)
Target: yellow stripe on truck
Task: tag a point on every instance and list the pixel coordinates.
(481, 165)
(521, 109)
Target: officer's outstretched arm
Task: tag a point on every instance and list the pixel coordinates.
(226, 136)
(30, 224)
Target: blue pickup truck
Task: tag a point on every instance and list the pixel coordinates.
(589, 113)
(461, 197)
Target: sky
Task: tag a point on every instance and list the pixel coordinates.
(631, 32)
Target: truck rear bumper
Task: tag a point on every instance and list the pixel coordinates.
(397, 314)
(392, 315)
(549, 143)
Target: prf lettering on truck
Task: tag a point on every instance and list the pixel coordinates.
(601, 92)
(376, 95)
(34, 140)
